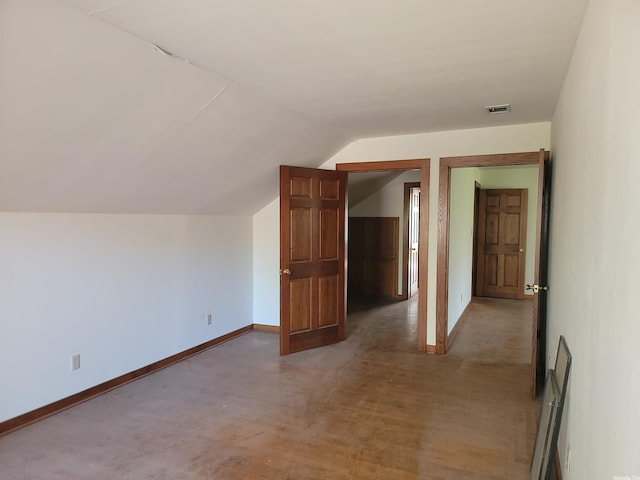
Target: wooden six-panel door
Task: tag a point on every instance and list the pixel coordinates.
(540, 276)
(502, 230)
(312, 258)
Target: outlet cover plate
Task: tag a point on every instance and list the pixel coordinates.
(75, 362)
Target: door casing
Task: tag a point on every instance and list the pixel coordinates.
(444, 184)
(423, 165)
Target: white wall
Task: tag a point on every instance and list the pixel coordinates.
(388, 202)
(122, 291)
(460, 240)
(266, 265)
(506, 139)
(595, 233)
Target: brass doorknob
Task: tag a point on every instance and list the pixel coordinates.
(286, 271)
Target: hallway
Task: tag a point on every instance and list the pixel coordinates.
(497, 331)
(369, 407)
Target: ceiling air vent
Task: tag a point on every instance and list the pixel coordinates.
(493, 109)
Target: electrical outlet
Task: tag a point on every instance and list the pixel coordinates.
(75, 362)
(209, 318)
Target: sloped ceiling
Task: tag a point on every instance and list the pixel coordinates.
(189, 106)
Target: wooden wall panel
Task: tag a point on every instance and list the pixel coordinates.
(373, 256)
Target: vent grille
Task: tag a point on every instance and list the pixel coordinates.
(494, 109)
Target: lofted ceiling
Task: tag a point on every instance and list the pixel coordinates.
(189, 106)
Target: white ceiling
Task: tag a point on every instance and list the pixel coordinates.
(95, 118)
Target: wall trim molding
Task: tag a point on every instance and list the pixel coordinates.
(58, 406)
(461, 319)
(266, 328)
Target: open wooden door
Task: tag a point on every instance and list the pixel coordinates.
(539, 288)
(312, 258)
(414, 240)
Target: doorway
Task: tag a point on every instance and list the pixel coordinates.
(453, 171)
(422, 165)
(447, 165)
(411, 239)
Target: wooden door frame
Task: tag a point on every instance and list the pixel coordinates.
(408, 186)
(444, 201)
(422, 164)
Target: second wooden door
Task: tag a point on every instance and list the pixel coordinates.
(502, 229)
